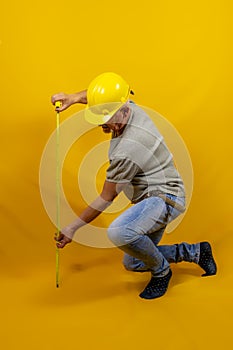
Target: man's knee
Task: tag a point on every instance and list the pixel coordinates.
(121, 235)
(114, 235)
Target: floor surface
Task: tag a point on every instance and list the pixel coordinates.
(97, 304)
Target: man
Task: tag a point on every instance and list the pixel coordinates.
(142, 166)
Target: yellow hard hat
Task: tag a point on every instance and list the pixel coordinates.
(107, 93)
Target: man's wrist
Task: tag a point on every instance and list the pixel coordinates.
(68, 232)
(79, 97)
(70, 229)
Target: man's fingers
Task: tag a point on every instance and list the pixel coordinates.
(62, 240)
(61, 244)
(63, 98)
(58, 238)
(58, 97)
(62, 108)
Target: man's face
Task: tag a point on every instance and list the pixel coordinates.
(105, 128)
(117, 122)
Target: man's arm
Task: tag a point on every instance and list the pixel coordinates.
(109, 192)
(69, 99)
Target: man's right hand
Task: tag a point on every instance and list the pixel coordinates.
(66, 100)
(69, 99)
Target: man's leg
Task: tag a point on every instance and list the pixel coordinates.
(199, 253)
(134, 264)
(173, 254)
(130, 233)
(169, 252)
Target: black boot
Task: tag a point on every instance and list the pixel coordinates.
(206, 260)
(157, 287)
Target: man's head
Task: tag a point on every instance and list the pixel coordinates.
(118, 121)
(107, 95)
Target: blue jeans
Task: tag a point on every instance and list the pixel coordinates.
(139, 230)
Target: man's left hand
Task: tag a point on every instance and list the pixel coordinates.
(62, 240)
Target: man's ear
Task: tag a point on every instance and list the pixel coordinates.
(125, 110)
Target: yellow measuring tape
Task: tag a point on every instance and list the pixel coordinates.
(58, 179)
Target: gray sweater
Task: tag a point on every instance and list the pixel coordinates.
(140, 158)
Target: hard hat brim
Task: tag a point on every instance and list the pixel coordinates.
(101, 114)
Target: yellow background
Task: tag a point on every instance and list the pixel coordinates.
(177, 56)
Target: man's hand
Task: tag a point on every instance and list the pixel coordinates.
(109, 192)
(62, 240)
(65, 99)
(69, 99)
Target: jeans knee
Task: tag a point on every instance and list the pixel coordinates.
(114, 235)
(121, 235)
